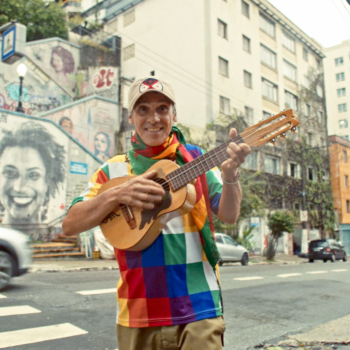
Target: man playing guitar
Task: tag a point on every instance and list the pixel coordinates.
(168, 294)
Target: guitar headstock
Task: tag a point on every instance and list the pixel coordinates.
(269, 129)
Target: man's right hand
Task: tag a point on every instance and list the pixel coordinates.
(141, 191)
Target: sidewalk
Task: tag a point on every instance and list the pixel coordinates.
(100, 264)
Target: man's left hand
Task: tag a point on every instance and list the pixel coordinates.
(237, 154)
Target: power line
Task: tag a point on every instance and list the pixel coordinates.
(341, 14)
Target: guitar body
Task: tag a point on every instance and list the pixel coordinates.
(129, 228)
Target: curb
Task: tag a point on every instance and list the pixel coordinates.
(73, 269)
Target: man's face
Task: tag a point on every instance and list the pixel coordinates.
(153, 116)
(22, 182)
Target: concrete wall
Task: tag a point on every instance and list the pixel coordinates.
(92, 121)
(42, 168)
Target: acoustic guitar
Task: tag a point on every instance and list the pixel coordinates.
(131, 228)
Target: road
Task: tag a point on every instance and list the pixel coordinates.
(77, 310)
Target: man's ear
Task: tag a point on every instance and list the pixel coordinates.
(174, 114)
(131, 120)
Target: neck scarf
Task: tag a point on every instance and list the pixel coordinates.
(142, 157)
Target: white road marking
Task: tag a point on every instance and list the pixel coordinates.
(316, 272)
(248, 278)
(18, 310)
(97, 291)
(289, 275)
(39, 334)
(340, 270)
(2, 296)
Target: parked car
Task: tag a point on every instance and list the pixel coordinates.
(326, 249)
(15, 255)
(230, 250)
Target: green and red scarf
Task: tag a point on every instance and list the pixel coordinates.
(142, 157)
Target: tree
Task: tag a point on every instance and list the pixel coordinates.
(279, 222)
(43, 19)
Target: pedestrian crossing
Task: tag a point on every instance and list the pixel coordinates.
(18, 310)
(97, 291)
(2, 296)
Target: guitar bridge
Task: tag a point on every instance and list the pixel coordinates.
(129, 216)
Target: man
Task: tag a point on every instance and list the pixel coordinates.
(168, 294)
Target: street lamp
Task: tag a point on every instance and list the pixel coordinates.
(21, 70)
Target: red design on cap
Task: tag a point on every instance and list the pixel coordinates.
(151, 84)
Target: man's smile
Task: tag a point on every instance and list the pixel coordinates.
(154, 129)
(21, 201)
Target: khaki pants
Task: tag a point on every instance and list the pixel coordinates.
(202, 335)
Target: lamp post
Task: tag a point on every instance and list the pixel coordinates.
(21, 70)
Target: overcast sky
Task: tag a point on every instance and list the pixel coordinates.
(327, 21)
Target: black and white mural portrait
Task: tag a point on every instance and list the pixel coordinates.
(32, 175)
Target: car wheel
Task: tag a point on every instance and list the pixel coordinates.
(333, 258)
(311, 260)
(220, 262)
(325, 260)
(345, 257)
(245, 259)
(6, 269)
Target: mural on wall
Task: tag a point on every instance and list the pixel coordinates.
(59, 59)
(39, 92)
(92, 122)
(32, 173)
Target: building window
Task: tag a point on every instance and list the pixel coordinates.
(129, 52)
(223, 67)
(342, 107)
(309, 138)
(267, 26)
(319, 64)
(113, 25)
(293, 170)
(343, 123)
(266, 115)
(345, 156)
(340, 76)
(297, 206)
(320, 117)
(249, 114)
(319, 91)
(269, 90)
(272, 165)
(225, 106)
(341, 92)
(339, 61)
(307, 82)
(245, 9)
(305, 54)
(346, 178)
(288, 41)
(289, 71)
(322, 142)
(348, 206)
(310, 174)
(248, 79)
(246, 44)
(268, 57)
(291, 101)
(222, 29)
(307, 110)
(251, 162)
(345, 137)
(129, 18)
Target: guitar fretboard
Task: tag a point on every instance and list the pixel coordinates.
(190, 171)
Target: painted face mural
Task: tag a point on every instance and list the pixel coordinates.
(32, 169)
(66, 124)
(102, 144)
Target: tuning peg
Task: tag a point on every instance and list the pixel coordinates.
(293, 129)
(273, 141)
(283, 135)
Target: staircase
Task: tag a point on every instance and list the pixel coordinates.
(63, 247)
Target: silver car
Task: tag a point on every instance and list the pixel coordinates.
(15, 255)
(230, 250)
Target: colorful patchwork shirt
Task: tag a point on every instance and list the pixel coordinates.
(171, 282)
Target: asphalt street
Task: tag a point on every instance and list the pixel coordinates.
(77, 310)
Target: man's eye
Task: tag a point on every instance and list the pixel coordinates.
(142, 109)
(10, 174)
(163, 108)
(34, 175)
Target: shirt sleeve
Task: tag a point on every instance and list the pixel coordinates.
(213, 179)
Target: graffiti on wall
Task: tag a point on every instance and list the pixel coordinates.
(32, 173)
(103, 81)
(92, 123)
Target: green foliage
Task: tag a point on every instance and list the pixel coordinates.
(42, 21)
(279, 222)
(246, 240)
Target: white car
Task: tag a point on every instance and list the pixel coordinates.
(230, 250)
(15, 255)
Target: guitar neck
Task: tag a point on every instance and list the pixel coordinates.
(199, 166)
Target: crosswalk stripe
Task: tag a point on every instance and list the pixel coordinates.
(39, 334)
(97, 291)
(2, 296)
(18, 310)
(316, 272)
(340, 270)
(248, 278)
(289, 275)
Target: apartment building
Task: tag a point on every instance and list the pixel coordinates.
(337, 79)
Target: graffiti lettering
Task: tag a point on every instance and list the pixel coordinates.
(103, 79)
